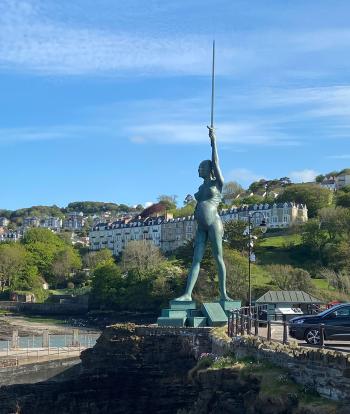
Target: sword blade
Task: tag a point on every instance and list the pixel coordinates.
(212, 87)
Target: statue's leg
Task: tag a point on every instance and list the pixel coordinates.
(199, 249)
(215, 235)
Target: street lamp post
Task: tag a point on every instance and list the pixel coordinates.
(251, 238)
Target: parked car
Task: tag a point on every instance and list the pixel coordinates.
(336, 322)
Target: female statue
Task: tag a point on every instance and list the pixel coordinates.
(209, 222)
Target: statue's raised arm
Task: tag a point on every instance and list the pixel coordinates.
(215, 159)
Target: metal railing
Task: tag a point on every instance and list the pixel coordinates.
(43, 347)
(246, 321)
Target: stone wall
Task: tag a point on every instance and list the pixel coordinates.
(45, 308)
(323, 370)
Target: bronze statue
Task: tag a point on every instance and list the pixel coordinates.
(208, 220)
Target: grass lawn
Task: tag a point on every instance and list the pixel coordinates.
(41, 319)
(282, 241)
(321, 284)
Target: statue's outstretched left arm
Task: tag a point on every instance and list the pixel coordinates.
(215, 159)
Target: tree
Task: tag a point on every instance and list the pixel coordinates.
(236, 274)
(234, 230)
(189, 199)
(253, 199)
(107, 286)
(12, 263)
(230, 191)
(185, 211)
(235, 235)
(17, 270)
(94, 259)
(336, 222)
(320, 178)
(169, 202)
(313, 196)
(338, 280)
(314, 237)
(64, 263)
(141, 256)
(343, 197)
(286, 277)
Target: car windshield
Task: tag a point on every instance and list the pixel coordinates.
(333, 309)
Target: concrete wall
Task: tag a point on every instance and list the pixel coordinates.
(57, 370)
(45, 308)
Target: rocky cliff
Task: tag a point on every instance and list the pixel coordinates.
(146, 369)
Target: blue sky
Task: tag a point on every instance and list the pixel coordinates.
(109, 100)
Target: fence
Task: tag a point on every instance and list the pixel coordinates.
(246, 321)
(44, 347)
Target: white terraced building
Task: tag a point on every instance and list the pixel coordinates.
(168, 234)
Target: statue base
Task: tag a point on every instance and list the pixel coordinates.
(182, 304)
(215, 314)
(230, 305)
(185, 313)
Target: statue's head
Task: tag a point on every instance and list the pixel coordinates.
(205, 169)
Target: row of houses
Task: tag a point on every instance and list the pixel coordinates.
(168, 233)
(73, 221)
(336, 182)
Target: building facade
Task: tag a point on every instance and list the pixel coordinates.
(168, 233)
(4, 222)
(53, 223)
(74, 221)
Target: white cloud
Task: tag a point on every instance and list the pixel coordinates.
(137, 139)
(303, 176)
(148, 204)
(340, 157)
(33, 41)
(242, 176)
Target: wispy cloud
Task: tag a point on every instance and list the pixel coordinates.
(34, 41)
(242, 176)
(340, 157)
(303, 176)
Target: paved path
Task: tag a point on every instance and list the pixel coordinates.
(277, 334)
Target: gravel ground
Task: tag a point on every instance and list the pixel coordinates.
(28, 326)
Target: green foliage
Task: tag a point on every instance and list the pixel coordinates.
(290, 278)
(17, 268)
(92, 259)
(314, 196)
(107, 285)
(169, 202)
(343, 197)
(35, 211)
(92, 207)
(65, 261)
(134, 290)
(185, 211)
(230, 191)
(235, 238)
(54, 258)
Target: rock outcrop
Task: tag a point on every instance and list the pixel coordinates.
(146, 369)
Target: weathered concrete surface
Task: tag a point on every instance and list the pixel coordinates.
(41, 371)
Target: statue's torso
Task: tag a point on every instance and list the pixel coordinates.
(208, 198)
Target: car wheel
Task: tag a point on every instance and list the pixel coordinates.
(313, 336)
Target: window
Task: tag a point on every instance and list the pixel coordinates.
(339, 313)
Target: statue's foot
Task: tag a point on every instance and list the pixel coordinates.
(184, 298)
(226, 298)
